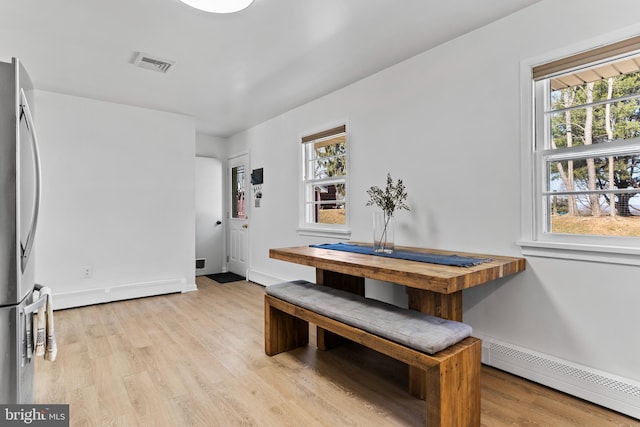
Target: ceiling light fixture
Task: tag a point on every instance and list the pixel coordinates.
(219, 6)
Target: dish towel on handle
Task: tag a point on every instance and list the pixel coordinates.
(45, 337)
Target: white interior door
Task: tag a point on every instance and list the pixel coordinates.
(209, 215)
(239, 215)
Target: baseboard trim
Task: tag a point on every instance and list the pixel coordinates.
(84, 297)
(263, 279)
(611, 391)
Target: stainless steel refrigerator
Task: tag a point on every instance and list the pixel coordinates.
(19, 206)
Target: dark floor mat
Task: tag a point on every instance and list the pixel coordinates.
(225, 277)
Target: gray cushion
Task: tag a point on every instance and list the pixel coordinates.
(420, 331)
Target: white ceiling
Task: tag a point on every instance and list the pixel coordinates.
(232, 71)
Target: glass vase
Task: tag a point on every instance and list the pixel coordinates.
(382, 233)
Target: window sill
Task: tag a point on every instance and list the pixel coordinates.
(581, 252)
(344, 234)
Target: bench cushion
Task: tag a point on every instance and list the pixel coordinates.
(420, 331)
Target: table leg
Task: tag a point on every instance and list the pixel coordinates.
(325, 339)
(346, 282)
(447, 306)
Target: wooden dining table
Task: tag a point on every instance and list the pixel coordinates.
(434, 289)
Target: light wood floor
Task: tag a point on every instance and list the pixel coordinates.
(197, 359)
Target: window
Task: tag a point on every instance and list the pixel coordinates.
(237, 192)
(324, 183)
(585, 161)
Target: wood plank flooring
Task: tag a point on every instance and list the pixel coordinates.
(197, 359)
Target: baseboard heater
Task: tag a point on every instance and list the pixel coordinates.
(605, 389)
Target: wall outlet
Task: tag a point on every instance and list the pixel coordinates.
(87, 271)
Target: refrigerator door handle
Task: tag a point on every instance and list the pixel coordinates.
(26, 246)
(34, 306)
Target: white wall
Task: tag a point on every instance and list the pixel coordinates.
(448, 122)
(118, 196)
(210, 238)
(211, 146)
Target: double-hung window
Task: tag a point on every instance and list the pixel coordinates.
(585, 154)
(324, 183)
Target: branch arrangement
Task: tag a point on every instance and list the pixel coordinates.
(390, 199)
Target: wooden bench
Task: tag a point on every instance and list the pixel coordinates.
(452, 374)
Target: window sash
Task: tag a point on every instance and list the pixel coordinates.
(615, 148)
(311, 203)
(592, 104)
(311, 157)
(311, 171)
(588, 192)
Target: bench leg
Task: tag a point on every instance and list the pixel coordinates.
(326, 340)
(447, 306)
(453, 390)
(282, 331)
(417, 382)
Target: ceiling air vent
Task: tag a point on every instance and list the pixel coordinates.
(154, 63)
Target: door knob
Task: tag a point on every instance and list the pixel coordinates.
(245, 225)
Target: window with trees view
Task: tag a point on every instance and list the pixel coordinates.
(325, 179)
(587, 144)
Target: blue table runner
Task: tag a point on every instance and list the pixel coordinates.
(454, 260)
